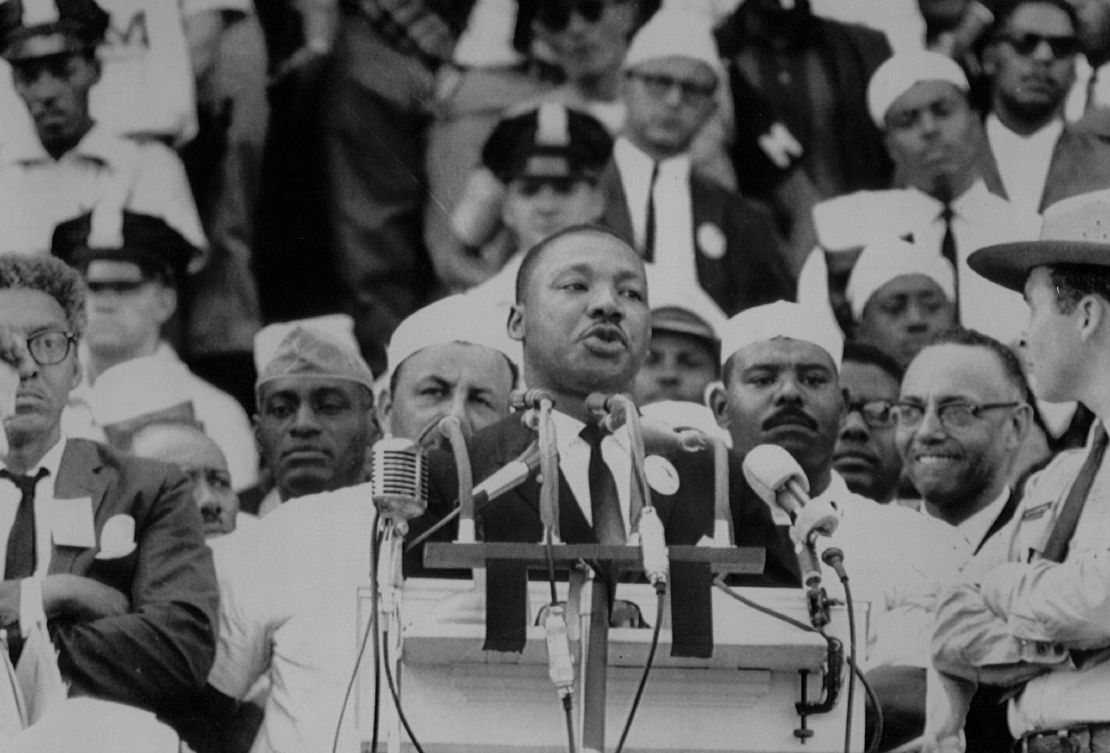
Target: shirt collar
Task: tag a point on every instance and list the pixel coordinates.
(1043, 138)
(973, 194)
(568, 429)
(98, 145)
(51, 460)
(628, 155)
(975, 528)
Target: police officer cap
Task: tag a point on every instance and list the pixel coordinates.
(38, 28)
(122, 235)
(551, 141)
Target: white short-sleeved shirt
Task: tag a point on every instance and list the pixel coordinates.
(38, 192)
(289, 611)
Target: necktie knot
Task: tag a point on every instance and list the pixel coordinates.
(23, 481)
(592, 434)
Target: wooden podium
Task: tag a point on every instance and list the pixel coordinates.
(459, 698)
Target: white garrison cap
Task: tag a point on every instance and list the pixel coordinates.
(681, 305)
(883, 261)
(894, 78)
(672, 32)
(781, 319)
(457, 318)
(339, 326)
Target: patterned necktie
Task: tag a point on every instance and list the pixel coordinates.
(1057, 547)
(649, 223)
(604, 502)
(21, 557)
(948, 251)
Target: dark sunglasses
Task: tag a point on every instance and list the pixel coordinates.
(554, 15)
(1027, 43)
(119, 287)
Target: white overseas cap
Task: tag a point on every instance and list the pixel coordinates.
(900, 72)
(781, 319)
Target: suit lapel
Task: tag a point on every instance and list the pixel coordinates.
(78, 476)
(617, 216)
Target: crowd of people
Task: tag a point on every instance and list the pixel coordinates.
(242, 242)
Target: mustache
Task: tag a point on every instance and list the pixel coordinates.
(790, 416)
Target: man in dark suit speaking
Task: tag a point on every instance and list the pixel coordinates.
(583, 319)
(106, 550)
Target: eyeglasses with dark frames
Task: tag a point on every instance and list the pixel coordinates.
(953, 416)
(554, 15)
(1026, 44)
(660, 86)
(50, 347)
(875, 413)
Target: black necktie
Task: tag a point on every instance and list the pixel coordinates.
(1057, 547)
(1092, 84)
(20, 561)
(948, 251)
(604, 502)
(649, 223)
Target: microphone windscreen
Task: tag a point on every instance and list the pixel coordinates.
(399, 483)
(767, 468)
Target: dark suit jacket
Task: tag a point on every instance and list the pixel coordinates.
(750, 272)
(161, 651)
(687, 515)
(1080, 163)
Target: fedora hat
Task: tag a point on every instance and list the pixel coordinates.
(1075, 231)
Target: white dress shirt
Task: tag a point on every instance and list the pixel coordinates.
(980, 219)
(37, 192)
(674, 214)
(897, 559)
(10, 495)
(1023, 161)
(574, 462)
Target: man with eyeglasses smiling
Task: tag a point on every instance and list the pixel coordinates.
(1035, 158)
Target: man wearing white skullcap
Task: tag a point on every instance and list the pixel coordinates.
(900, 296)
(451, 358)
(679, 219)
(920, 100)
(781, 386)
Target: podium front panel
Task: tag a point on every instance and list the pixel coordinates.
(460, 698)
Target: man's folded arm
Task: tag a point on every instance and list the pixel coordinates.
(163, 647)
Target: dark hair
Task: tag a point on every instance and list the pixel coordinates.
(976, 339)
(533, 255)
(1005, 9)
(1073, 281)
(46, 274)
(858, 352)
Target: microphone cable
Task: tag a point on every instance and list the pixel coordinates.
(834, 558)
(873, 744)
(393, 692)
(661, 601)
(371, 626)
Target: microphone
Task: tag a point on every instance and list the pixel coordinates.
(508, 477)
(532, 398)
(659, 437)
(776, 477)
(399, 484)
